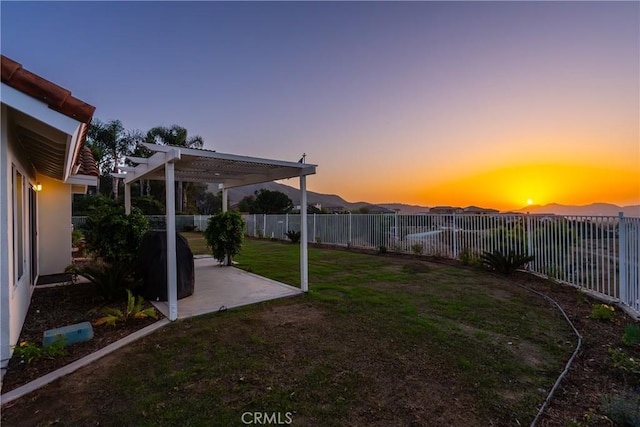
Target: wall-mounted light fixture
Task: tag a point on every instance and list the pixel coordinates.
(37, 186)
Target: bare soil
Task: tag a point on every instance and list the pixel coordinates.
(592, 374)
(54, 307)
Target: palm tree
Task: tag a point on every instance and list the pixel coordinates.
(176, 136)
(113, 143)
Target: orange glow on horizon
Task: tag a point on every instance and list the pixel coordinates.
(506, 188)
(502, 188)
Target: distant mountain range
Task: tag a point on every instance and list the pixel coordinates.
(335, 201)
(600, 209)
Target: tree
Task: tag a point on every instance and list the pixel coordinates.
(272, 202)
(247, 204)
(313, 209)
(148, 205)
(195, 199)
(176, 136)
(110, 143)
(208, 203)
(224, 235)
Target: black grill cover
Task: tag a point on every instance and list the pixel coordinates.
(152, 266)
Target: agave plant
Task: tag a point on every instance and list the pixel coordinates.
(505, 264)
(294, 236)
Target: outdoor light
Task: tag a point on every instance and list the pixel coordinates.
(37, 187)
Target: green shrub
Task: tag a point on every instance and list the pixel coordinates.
(294, 236)
(631, 335)
(76, 237)
(627, 364)
(114, 236)
(505, 264)
(30, 352)
(602, 312)
(111, 280)
(468, 257)
(224, 235)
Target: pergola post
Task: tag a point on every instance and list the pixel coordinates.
(127, 198)
(304, 264)
(172, 270)
(225, 199)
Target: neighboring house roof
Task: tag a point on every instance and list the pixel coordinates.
(58, 99)
(476, 209)
(379, 209)
(445, 208)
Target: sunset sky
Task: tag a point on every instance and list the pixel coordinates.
(430, 103)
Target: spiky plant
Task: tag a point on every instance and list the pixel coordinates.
(505, 264)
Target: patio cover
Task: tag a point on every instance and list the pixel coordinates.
(171, 164)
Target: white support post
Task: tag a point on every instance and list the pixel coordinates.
(127, 197)
(172, 270)
(225, 199)
(529, 234)
(304, 264)
(622, 259)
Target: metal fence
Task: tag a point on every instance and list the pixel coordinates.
(597, 253)
(600, 254)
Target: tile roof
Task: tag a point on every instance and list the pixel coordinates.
(58, 99)
(86, 163)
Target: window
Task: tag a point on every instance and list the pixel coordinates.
(18, 224)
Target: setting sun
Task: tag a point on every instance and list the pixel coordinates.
(529, 202)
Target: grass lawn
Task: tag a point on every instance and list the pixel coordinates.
(377, 341)
(196, 242)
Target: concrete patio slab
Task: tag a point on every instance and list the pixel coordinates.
(219, 288)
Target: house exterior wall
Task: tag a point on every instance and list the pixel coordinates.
(15, 288)
(54, 223)
(5, 351)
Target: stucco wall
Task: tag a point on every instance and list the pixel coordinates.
(54, 223)
(5, 289)
(15, 292)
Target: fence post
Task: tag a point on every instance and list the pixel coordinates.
(455, 239)
(396, 241)
(622, 259)
(286, 223)
(349, 241)
(315, 235)
(255, 234)
(264, 225)
(529, 239)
